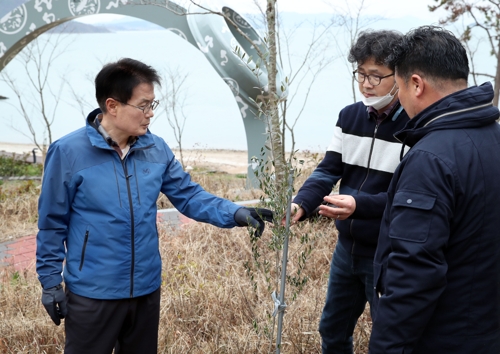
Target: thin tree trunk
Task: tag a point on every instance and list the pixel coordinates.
(276, 138)
(353, 88)
(497, 79)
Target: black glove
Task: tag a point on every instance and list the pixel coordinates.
(54, 301)
(253, 217)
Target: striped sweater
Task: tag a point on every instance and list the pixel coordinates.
(363, 155)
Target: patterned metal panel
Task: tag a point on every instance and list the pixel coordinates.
(22, 21)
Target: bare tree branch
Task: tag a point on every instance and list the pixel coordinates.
(485, 15)
(38, 59)
(174, 96)
(351, 22)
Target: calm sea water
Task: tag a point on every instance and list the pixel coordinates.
(213, 118)
(212, 115)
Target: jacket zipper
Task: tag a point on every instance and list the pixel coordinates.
(132, 228)
(366, 178)
(83, 249)
(137, 185)
(459, 111)
(448, 114)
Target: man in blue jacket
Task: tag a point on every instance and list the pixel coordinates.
(97, 212)
(437, 265)
(363, 154)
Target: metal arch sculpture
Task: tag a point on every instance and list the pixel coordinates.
(22, 21)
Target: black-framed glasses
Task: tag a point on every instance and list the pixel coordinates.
(146, 108)
(374, 80)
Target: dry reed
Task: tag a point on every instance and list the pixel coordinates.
(18, 209)
(208, 302)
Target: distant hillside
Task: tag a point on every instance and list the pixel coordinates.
(121, 25)
(128, 23)
(78, 27)
(131, 24)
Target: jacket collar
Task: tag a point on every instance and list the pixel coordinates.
(468, 108)
(100, 140)
(392, 111)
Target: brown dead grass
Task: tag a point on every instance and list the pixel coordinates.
(19, 200)
(18, 209)
(208, 303)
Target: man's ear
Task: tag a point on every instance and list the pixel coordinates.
(417, 84)
(111, 106)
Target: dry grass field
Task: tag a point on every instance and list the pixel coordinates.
(18, 209)
(209, 304)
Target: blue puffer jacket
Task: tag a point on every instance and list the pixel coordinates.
(98, 213)
(437, 264)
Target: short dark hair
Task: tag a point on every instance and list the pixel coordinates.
(430, 51)
(119, 79)
(376, 45)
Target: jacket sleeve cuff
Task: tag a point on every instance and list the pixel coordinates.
(369, 206)
(50, 281)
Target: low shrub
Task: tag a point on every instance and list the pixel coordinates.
(12, 166)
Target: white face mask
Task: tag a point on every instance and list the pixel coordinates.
(380, 101)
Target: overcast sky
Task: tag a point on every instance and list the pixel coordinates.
(313, 130)
(383, 8)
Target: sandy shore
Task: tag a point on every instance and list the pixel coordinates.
(230, 161)
(17, 148)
